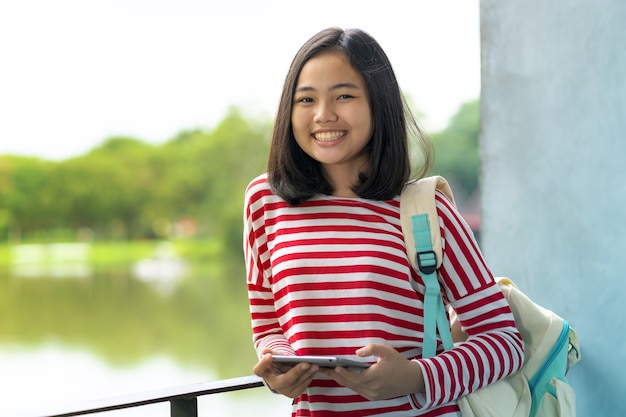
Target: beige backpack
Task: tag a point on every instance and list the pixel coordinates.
(539, 388)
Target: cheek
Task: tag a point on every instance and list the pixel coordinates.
(299, 126)
(366, 120)
(367, 124)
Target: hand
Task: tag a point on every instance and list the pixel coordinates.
(391, 376)
(290, 381)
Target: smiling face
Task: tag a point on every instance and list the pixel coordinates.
(331, 116)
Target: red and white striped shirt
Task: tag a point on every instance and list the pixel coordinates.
(331, 275)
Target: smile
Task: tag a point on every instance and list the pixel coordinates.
(329, 136)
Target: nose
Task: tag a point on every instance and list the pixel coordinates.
(325, 113)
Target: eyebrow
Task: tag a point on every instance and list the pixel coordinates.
(334, 87)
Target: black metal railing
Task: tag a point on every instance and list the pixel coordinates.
(183, 400)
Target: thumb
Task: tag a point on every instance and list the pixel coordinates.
(373, 351)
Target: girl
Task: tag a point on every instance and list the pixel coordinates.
(327, 269)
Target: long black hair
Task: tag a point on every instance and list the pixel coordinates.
(296, 177)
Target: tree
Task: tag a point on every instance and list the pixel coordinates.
(108, 184)
(456, 150)
(23, 179)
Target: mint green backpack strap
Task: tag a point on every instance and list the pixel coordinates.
(420, 227)
(435, 317)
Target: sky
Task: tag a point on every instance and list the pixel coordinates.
(76, 72)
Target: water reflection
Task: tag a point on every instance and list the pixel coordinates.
(164, 269)
(55, 260)
(109, 331)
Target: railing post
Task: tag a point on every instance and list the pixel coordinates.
(184, 407)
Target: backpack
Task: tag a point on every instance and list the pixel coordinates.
(539, 388)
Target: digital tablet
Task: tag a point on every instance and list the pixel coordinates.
(323, 361)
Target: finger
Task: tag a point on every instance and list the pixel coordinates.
(296, 381)
(373, 350)
(304, 373)
(346, 377)
(302, 386)
(264, 366)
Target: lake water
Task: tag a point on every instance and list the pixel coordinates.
(70, 334)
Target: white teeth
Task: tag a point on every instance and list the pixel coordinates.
(329, 136)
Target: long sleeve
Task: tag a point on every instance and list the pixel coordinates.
(267, 332)
(494, 348)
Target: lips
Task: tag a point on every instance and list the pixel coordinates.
(329, 136)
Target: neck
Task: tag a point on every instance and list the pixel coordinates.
(344, 192)
(343, 179)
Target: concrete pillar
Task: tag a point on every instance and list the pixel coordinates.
(553, 153)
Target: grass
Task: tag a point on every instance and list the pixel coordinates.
(124, 252)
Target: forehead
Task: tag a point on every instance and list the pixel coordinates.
(328, 68)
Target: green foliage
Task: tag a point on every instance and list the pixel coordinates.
(127, 189)
(456, 150)
(21, 180)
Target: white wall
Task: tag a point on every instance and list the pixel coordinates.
(553, 150)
